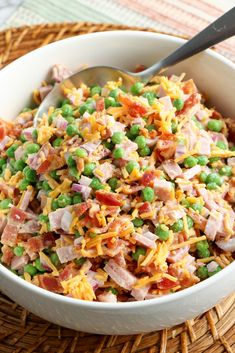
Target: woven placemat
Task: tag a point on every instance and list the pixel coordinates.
(22, 332)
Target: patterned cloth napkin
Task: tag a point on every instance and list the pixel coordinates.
(185, 17)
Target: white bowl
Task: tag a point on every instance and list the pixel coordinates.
(214, 75)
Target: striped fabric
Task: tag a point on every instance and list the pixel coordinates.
(185, 17)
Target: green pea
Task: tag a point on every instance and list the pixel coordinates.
(64, 101)
(202, 272)
(141, 141)
(212, 186)
(202, 160)
(43, 218)
(214, 272)
(30, 269)
(178, 103)
(96, 184)
(137, 222)
(197, 207)
(46, 186)
(4, 204)
(35, 134)
(86, 107)
(118, 153)
(95, 90)
(24, 183)
(134, 130)
(55, 259)
(77, 234)
(174, 127)
(203, 176)
(71, 130)
(215, 125)
(203, 249)
(190, 222)
(30, 174)
(54, 175)
(57, 142)
(114, 93)
(73, 172)
(222, 145)
(232, 148)
(54, 205)
(109, 102)
(22, 138)
(2, 162)
(32, 148)
(92, 235)
(18, 251)
(19, 165)
(108, 144)
(71, 162)
(150, 97)
(64, 200)
(214, 178)
(38, 265)
(178, 226)
(67, 110)
(10, 152)
(136, 89)
(226, 171)
(77, 198)
(147, 194)
(113, 182)
(89, 168)
(38, 185)
(145, 151)
(70, 120)
(150, 127)
(131, 165)
(190, 162)
(139, 251)
(117, 137)
(113, 290)
(214, 159)
(80, 262)
(80, 152)
(162, 231)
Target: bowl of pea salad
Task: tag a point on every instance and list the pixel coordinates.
(117, 210)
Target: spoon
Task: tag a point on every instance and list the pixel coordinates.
(221, 29)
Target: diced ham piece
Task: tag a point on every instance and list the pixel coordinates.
(90, 147)
(18, 262)
(226, 245)
(9, 235)
(204, 142)
(60, 122)
(25, 201)
(140, 293)
(107, 297)
(4, 142)
(7, 255)
(199, 220)
(44, 90)
(212, 266)
(192, 172)
(67, 253)
(172, 169)
(147, 239)
(85, 181)
(19, 152)
(120, 275)
(66, 221)
(56, 217)
(177, 255)
(189, 132)
(60, 72)
(167, 104)
(31, 227)
(231, 161)
(172, 210)
(180, 150)
(217, 137)
(83, 189)
(50, 283)
(27, 133)
(214, 223)
(104, 171)
(208, 199)
(3, 222)
(163, 189)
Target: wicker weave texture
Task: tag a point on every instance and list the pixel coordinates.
(22, 332)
